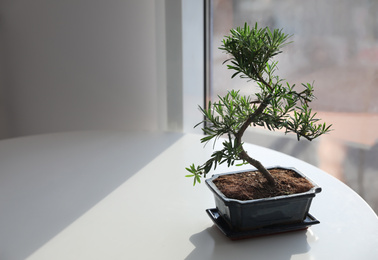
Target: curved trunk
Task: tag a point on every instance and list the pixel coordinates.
(243, 154)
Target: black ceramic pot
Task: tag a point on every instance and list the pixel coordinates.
(258, 213)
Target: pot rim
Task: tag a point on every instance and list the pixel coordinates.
(216, 191)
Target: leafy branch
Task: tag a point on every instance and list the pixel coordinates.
(276, 106)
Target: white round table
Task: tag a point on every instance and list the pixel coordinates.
(121, 195)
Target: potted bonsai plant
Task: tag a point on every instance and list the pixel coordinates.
(277, 105)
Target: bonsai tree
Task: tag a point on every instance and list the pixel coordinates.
(277, 105)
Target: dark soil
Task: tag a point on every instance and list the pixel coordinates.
(253, 185)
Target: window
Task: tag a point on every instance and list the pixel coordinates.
(336, 47)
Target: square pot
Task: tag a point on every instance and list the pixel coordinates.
(253, 214)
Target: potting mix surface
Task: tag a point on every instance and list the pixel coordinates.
(253, 185)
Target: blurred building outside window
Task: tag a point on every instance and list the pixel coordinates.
(335, 45)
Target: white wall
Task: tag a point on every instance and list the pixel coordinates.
(193, 63)
(185, 63)
(94, 64)
(79, 64)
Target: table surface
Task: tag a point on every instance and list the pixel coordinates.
(121, 195)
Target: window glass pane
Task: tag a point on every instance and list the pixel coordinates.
(336, 47)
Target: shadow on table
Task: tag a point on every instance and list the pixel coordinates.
(48, 181)
(212, 244)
